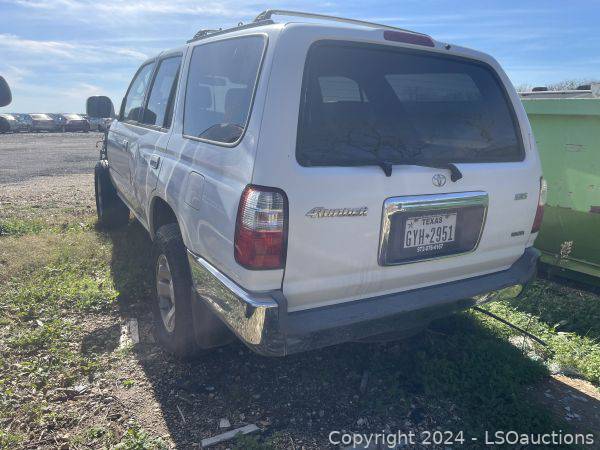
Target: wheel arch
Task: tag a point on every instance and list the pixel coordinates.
(161, 213)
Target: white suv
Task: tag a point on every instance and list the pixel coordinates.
(321, 181)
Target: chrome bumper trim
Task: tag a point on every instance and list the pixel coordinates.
(262, 322)
(253, 317)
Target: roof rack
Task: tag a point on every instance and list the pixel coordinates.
(202, 34)
(266, 15)
(264, 18)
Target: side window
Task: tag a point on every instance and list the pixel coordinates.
(132, 106)
(163, 88)
(220, 86)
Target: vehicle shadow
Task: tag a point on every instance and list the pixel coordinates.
(459, 375)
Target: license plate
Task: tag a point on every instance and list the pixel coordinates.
(430, 232)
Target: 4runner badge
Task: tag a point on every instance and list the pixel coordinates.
(438, 180)
(319, 212)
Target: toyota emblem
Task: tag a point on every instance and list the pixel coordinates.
(438, 180)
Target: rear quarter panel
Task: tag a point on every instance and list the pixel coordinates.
(203, 182)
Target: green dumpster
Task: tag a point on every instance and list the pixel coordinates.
(567, 132)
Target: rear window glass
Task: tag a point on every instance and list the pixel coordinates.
(367, 103)
(220, 87)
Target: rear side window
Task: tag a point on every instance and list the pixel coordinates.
(221, 83)
(132, 106)
(363, 104)
(158, 110)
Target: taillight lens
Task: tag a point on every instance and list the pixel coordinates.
(539, 214)
(261, 228)
(408, 38)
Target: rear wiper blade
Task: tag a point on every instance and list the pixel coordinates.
(385, 166)
(455, 173)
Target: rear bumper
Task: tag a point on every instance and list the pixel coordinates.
(262, 322)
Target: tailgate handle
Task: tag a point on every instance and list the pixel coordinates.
(154, 161)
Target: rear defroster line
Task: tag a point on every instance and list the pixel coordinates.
(506, 322)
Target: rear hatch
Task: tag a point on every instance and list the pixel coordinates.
(408, 169)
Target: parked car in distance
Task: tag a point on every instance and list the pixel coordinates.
(59, 121)
(75, 122)
(5, 93)
(96, 123)
(42, 122)
(345, 182)
(16, 125)
(25, 119)
(25, 122)
(4, 125)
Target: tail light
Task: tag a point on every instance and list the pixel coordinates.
(408, 38)
(539, 214)
(261, 228)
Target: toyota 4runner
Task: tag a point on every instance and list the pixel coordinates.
(320, 181)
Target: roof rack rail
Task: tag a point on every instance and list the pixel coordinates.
(266, 15)
(202, 34)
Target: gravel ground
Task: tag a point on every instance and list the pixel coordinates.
(27, 155)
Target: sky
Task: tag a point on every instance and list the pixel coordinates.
(56, 53)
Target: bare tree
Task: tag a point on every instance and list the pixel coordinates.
(524, 87)
(567, 85)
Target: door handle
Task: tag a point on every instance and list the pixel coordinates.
(154, 161)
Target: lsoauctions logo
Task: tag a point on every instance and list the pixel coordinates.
(455, 438)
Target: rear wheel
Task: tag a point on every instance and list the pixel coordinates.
(112, 212)
(172, 309)
(183, 325)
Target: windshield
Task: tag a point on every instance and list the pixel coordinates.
(72, 117)
(364, 104)
(40, 117)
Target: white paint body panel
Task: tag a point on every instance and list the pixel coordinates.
(329, 260)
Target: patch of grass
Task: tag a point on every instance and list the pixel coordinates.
(562, 308)
(19, 227)
(248, 442)
(477, 379)
(40, 332)
(136, 438)
(59, 286)
(9, 440)
(22, 227)
(568, 351)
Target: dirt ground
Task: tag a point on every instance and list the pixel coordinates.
(440, 380)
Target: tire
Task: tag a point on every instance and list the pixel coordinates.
(112, 212)
(194, 329)
(172, 305)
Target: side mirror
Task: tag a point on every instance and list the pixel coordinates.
(100, 107)
(5, 94)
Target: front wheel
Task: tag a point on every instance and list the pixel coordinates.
(112, 212)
